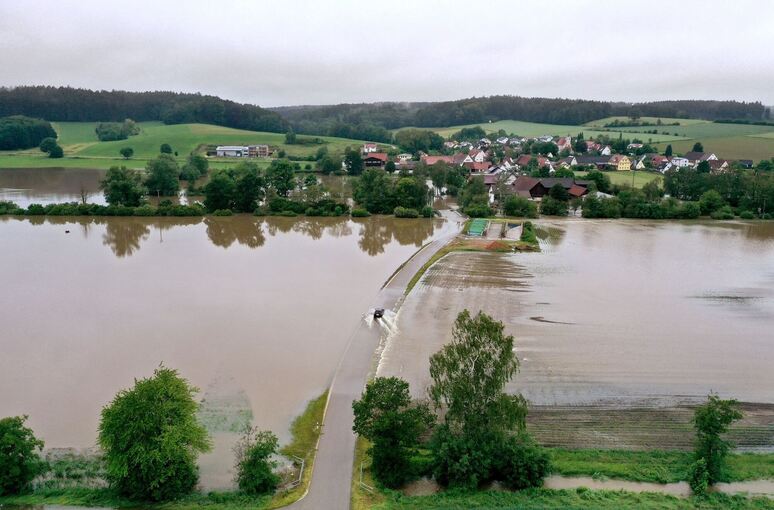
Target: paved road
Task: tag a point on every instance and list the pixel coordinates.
(332, 475)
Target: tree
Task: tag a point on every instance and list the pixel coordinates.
(410, 192)
(20, 132)
(126, 152)
(56, 152)
(386, 416)
(151, 438)
(415, 140)
(280, 177)
(698, 147)
(353, 161)
(290, 137)
(47, 144)
(553, 207)
(249, 187)
(703, 167)
(194, 168)
(474, 193)
(711, 201)
(559, 192)
(254, 467)
(473, 445)
(601, 179)
(329, 164)
(652, 191)
(374, 191)
(163, 174)
(519, 206)
(123, 186)
(711, 420)
(390, 166)
(20, 460)
(219, 192)
(165, 148)
(668, 151)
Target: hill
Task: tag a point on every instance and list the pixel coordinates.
(83, 105)
(82, 149)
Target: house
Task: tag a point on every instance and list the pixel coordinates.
(403, 157)
(598, 161)
(718, 166)
(564, 142)
(523, 161)
(534, 188)
(567, 162)
(655, 161)
(605, 151)
(477, 155)
(679, 161)
(546, 138)
(484, 143)
(620, 162)
(592, 146)
(450, 145)
(633, 146)
(476, 167)
(697, 157)
(232, 151)
(369, 148)
(460, 159)
(502, 140)
(375, 159)
(406, 165)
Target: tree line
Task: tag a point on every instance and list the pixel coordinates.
(83, 105)
(19, 132)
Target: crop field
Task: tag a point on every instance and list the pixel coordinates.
(652, 120)
(755, 147)
(84, 150)
(639, 178)
(536, 129)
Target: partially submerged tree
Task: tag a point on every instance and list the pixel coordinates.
(386, 416)
(254, 465)
(151, 438)
(123, 186)
(20, 460)
(163, 174)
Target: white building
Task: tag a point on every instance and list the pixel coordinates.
(232, 151)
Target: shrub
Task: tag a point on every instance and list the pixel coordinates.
(20, 460)
(698, 477)
(404, 212)
(528, 234)
(747, 215)
(56, 152)
(553, 207)
(724, 213)
(35, 210)
(427, 212)
(478, 211)
(711, 201)
(690, 211)
(521, 464)
(145, 210)
(519, 206)
(223, 212)
(151, 438)
(254, 467)
(286, 213)
(360, 213)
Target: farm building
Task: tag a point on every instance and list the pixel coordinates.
(242, 151)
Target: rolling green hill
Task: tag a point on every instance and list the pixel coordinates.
(82, 149)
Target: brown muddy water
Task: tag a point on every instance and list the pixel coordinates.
(617, 313)
(256, 312)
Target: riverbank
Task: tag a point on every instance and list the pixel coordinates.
(72, 488)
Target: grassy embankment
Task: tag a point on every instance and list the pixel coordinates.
(305, 434)
(84, 150)
(640, 466)
(462, 243)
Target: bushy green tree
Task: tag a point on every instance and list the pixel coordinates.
(47, 144)
(519, 206)
(163, 174)
(668, 151)
(254, 465)
(553, 207)
(697, 147)
(280, 177)
(20, 460)
(711, 201)
(126, 152)
(56, 152)
(194, 168)
(386, 416)
(249, 187)
(469, 374)
(165, 148)
(219, 192)
(353, 161)
(559, 192)
(123, 186)
(374, 191)
(410, 192)
(474, 193)
(151, 438)
(711, 421)
(329, 164)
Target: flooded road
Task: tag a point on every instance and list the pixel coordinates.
(254, 311)
(620, 313)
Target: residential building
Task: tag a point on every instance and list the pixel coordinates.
(620, 162)
(369, 148)
(375, 159)
(232, 151)
(697, 157)
(564, 142)
(535, 188)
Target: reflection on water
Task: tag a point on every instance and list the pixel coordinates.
(265, 304)
(126, 235)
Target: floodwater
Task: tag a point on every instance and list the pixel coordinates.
(611, 312)
(254, 311)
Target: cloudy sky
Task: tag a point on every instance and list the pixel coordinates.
(318, 52)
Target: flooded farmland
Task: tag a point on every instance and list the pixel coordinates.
(254, 311)
(613, 314)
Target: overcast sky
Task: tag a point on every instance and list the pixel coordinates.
(320, 52)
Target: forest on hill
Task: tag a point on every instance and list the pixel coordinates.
(83, 105)
(376, 118)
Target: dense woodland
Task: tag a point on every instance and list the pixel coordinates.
(82, 105)
(19, 132)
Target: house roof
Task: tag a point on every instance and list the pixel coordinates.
(592, 160)
(697, 156)
(577, 191)
(381, 156)
(479, 167)
(431, 160)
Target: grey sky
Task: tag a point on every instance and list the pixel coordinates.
(319, 52)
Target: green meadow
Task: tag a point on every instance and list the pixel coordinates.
(83, 149)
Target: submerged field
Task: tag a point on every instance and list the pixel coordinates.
(83, 149)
